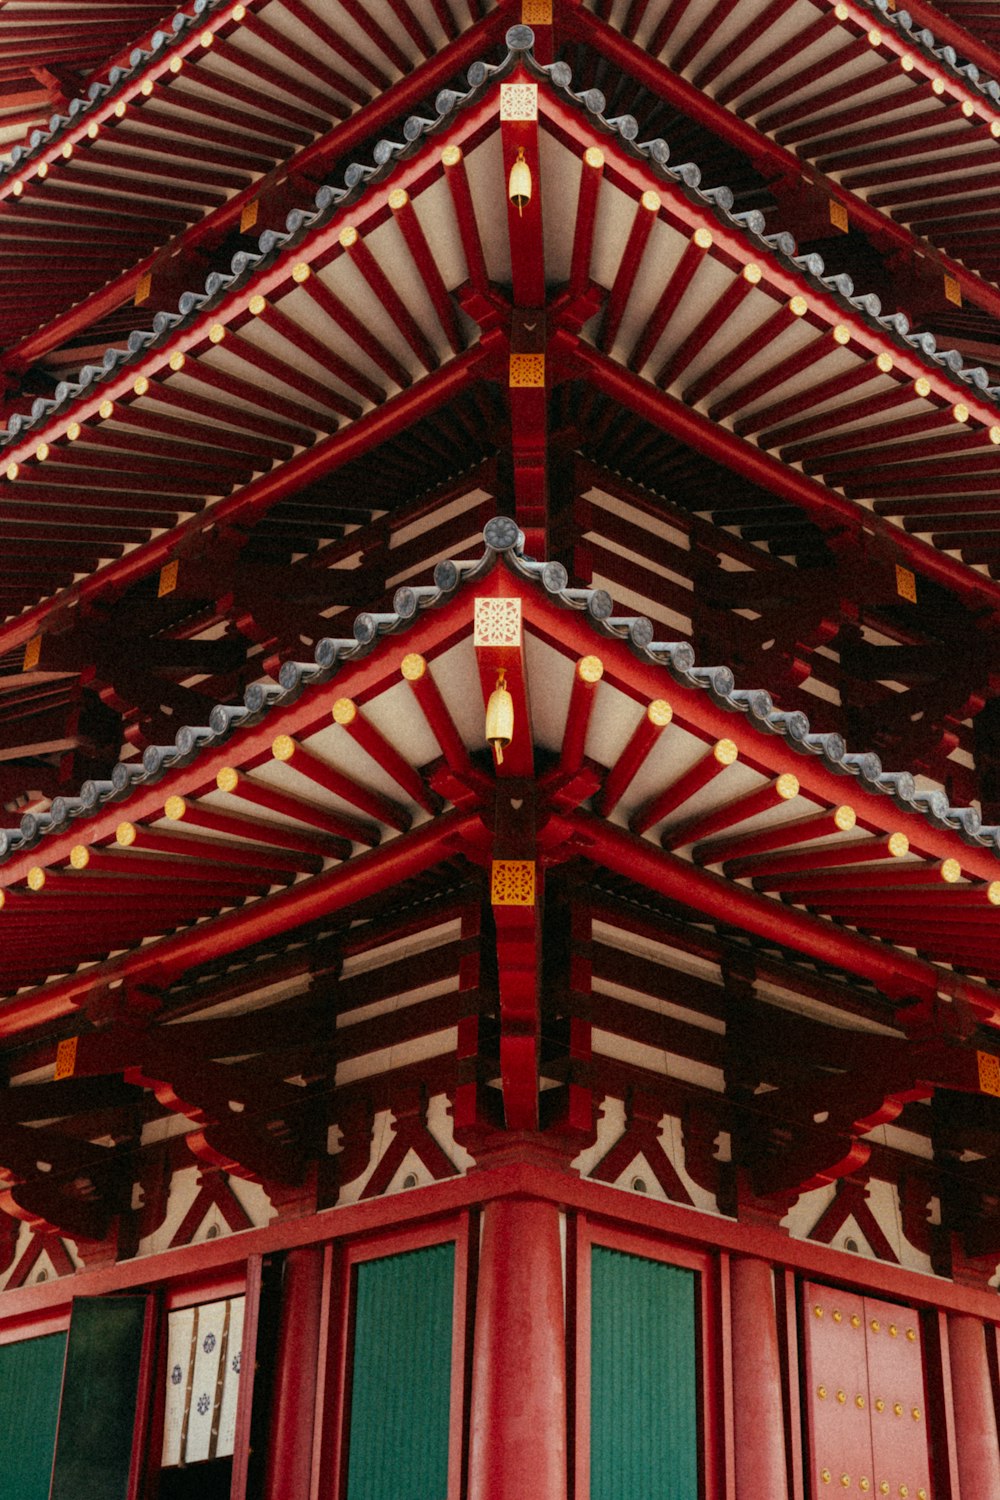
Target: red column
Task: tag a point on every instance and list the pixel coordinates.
(289, 1449)
(975, 1418)
(758, 1408)
(518, 1432)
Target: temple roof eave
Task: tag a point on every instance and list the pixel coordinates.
(134, 374)
(436, 618)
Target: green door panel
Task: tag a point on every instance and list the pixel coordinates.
(401, 1378)
(30, 1380)
(97, 1416)
(644, 1379)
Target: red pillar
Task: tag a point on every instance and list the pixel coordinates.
(758, 1408)
(975, 1418)
(289, 1449)
(518, 1432)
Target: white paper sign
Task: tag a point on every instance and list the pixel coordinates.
(231, 1380)
(204, 1385)
(180, 1330)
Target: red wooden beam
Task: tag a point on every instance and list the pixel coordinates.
(821, 504)
(773, 160)
(706, 768)
(644, 217)
(586, 675)
(352, 720)
(427, 267)
(746, 350)
(316, 349)
(830, 821)
(519, 138)
(782, 371)
(709, 325)
(358, 879)
(824, 857)
(891, 874)
(342, 316)
(457, 179)
(783, 788)
(213, 820)
(741, 43)
(655, 719)
(499, 649)
(414, 86)
(358, 252)
(318, 771)
(417, 673)
(898, 975)
(670, 298)
(902, 394)
(586, 218)
(325, 820)
(324, 457)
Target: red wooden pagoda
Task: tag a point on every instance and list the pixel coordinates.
(500, 750)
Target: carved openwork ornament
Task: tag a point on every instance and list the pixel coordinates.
(519, 101)
(512, 882)
(66, 1057)
(497, 623)
(906, 584)
(989, 1073)
(527, 371)
(168, 578)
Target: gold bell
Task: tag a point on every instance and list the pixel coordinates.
(519, 182)
(500, 718)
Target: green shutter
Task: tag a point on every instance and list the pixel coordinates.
(30, 1378)
(643, 1383)
(401, 1381)
(97, 1414)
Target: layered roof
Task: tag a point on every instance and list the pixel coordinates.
(278, 491)
(368, 331)
(209, 130)
(754, 309)
(50, 52)
(696, 792)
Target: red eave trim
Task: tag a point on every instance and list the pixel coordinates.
(824, 505)
(358, 879)
(897, 974)
(947, 31)
(687, 1225)
(375, 427)
(771, 159)
(570, 633)
(311, 162)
